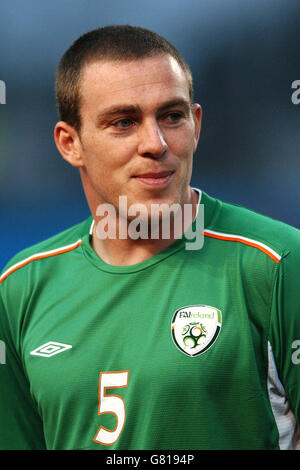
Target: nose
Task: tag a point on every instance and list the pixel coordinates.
(151, 140)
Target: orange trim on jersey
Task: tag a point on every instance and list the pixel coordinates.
(246, 241)
(43, 255)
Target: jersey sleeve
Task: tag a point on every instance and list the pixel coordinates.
(20, 424)
(285, 324)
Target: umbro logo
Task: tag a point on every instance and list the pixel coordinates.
(50, 349)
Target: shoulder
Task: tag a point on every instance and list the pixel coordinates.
(60, 243)
(236, 223)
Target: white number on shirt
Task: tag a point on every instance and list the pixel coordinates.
(111, 404)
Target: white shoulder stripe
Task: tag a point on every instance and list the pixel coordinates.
(242, 239)
(43, 254)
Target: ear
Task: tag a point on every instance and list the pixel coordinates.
(68, 143)
(197, 115)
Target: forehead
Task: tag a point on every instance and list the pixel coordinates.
(152, 79)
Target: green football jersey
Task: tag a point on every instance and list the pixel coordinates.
(190, 349)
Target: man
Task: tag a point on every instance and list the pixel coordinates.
(126, 342)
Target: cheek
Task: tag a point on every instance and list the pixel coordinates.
(183, 147)
(182, 140)
(95, 153)
(109, 151)
(106, 166)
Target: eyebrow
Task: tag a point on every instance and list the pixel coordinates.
(116, 110)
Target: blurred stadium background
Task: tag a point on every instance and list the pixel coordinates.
(244, 57)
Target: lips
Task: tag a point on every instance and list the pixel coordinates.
(160, 178)
(161, 174)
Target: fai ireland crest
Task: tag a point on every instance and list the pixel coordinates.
(195, 328)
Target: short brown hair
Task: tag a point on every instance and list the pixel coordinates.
(114, 42)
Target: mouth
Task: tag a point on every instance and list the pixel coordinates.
(154, 178)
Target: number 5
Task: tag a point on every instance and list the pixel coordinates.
(111, 404)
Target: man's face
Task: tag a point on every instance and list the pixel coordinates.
(139, 132)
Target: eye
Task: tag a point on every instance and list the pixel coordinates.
(123, 123)
(174, 117)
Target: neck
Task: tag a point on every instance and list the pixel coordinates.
(122, 249)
